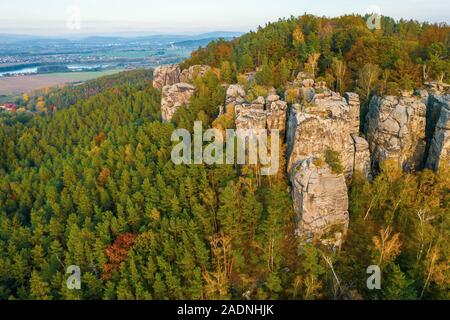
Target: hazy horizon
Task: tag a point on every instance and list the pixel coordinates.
(52, 17)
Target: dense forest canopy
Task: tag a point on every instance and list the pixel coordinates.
(92, 185)
(402, 54)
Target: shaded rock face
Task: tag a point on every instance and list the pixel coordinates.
(166, 76)
(250, 115)
(327, 122)
(173, 97)
(355, 110)
(276, 116)
(396, 130)
(188, 75)
(320, 201)
(439, 145)
(438, 88)
(362, 156)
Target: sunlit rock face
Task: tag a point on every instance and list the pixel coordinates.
(235, 95)
(438, 130)
(188, 75)
(173, 97)
(326, 122)
(276, 116)
(320, 201)
(250, 114)
(166, 76)
(396, 129)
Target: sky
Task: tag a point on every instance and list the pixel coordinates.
(65, 17)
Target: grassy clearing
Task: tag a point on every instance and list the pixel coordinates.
(12, 86)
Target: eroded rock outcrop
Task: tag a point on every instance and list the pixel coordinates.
(250, 115)
(251, 119)
(166, 76)
(326, 122)
(396, 130)
(439, 129)
(188, 75)
(276, 116)
(235, 95)
(173, 97)
(361, 161)
(322, 121)
(320, 201)
(355, 110)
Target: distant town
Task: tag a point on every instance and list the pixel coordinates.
(29, 63)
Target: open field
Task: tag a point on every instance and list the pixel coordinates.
(20, 84)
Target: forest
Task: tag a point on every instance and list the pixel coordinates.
(90, 183)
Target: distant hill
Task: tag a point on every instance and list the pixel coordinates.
(199, 42)
(161, 38)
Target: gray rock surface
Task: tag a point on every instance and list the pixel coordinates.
(166, 76)
(276, 116)
(362, 156)
(173, 97)
(320, 201)
(355, 110)
(235, 95)
(439, 145)
(396, 129)
(326, 123)
(251, 119)
(188, 75)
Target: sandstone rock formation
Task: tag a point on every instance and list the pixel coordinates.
(235, 95)
(318, 121)
(271, 108)
(251, 119)
(173, 97)
(396, 130)
(320, 201)
(276, 116)
(188, 75)
(166, 76)
(437, 87)
(361, 161)
(325, 123)
(355, 110)
(439, 130)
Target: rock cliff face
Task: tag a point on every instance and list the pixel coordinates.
(396, 130)
(321, 122)
(176, 91)
(439, 145)
(188, 75)
(166, 76)
(173, 97)
(414, 130)
(251, 119)
(262, 113)
(320, 201)
(327, 122)
(355, 110)
(235, 95)
(362, 156)
(276, 116)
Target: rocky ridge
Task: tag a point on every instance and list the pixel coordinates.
(313, 120)
(175, 86)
